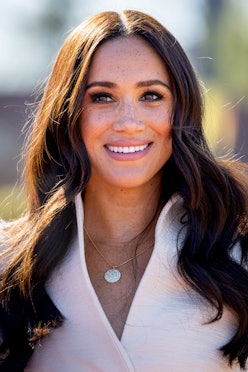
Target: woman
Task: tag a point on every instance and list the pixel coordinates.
(132, 253)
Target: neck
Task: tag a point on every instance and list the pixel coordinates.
(120, 214)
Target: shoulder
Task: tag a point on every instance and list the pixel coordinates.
(4, 243)
(3, 225)
(237, 255)
(4, 233)
(171, 227)
(172, 214)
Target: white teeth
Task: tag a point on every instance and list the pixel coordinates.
(127, 149)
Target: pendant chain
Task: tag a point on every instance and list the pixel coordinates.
(106, 260)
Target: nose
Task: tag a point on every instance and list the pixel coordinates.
(128, 118)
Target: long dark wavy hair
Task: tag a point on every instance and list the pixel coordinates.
(57, 168)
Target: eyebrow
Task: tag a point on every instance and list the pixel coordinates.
(140, 84)
(152, 82)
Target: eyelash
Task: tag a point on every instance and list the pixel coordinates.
(151, 93)
(98, 97)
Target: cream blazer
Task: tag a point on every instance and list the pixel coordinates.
(166, 328)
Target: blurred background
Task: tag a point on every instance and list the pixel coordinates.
(214, 34)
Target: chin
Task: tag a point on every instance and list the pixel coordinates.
(131, 183)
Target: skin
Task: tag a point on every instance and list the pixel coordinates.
(122, 107)
(127, 106)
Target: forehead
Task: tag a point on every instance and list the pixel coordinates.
(126, 56)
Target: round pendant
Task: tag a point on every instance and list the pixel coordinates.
(112, 276)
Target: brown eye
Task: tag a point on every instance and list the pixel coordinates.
(151, 97)
(101, 98)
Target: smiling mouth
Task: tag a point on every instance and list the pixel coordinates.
(126, 149)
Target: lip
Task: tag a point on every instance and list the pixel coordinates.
(128, 143)
(128, 152)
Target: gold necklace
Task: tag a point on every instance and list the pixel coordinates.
(113, 275)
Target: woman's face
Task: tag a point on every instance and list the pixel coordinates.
(127, 107)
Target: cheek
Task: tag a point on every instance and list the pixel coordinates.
(92, 124)
(166, 134)
(163, 128)
(87, 128)
(161, 120)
